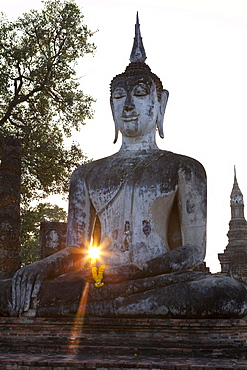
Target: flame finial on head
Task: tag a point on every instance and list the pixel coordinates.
(138, 53)
(235, 175)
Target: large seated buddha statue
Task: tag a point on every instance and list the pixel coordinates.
(145, 208)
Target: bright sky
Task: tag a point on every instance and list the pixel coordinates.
(198, 48)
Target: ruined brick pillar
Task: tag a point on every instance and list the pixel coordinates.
(10, 185)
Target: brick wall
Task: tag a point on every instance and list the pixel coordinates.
(218, 338)
(10, 183)
(103, 344)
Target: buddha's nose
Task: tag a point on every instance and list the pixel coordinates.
(128, 105)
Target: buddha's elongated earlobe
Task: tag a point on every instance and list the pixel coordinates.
(116, 128)
(116, 134)
(160, 118)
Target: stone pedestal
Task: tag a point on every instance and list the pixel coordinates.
(96, 343)
(10, 184)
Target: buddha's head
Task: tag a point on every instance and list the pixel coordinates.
(138, 100)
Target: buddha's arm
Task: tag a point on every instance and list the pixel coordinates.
(192, 195)
(27, 281)
(192, 211)
(182, 258)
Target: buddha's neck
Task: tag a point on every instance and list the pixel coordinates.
(138, 143)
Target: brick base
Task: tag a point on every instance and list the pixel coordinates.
(121, 343)
(96, 362)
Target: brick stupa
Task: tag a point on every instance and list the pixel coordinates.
(234, 259)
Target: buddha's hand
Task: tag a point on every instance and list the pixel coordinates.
(26, 284)
(117, 274)
(86, 274)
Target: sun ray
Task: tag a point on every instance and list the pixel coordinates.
(93, 256)
(75, 336)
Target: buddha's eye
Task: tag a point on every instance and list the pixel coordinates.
(118, 93)
(141, 90)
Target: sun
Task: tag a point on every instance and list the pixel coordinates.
(93, 253)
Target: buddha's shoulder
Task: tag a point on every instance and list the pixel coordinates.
(178, 162)
(159, 160)
(185, 161)
(88, 167)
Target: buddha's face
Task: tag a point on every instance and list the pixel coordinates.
(135, 105)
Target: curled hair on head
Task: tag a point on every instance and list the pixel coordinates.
(140, 68)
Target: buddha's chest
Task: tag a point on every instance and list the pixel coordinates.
(128, 184)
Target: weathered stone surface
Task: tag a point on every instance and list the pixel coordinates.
(194, 295)
(202, 267)
(52, 237)
(185, 294)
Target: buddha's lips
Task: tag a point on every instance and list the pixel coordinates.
(130, 118)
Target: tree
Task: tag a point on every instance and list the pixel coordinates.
(41, 102)
(40, 99)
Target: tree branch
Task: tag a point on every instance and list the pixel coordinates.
(16, 124)
(18, 100)
(18, 87)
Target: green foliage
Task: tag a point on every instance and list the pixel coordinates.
(31, 219)
(40, 99)
(41, 103)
